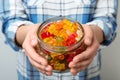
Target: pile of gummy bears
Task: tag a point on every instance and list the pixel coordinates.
(61, 33)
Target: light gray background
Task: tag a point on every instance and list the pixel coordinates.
(110, 59)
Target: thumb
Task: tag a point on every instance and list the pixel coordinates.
(87, 41)
(34, 40)
(88, 35)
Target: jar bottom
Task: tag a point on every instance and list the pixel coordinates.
(60, 61)
(56, 71)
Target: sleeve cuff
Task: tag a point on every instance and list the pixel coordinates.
(106, 27)
(11, 32)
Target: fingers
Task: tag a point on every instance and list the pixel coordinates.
(81, 61)
(88, 53)
(30, 51)
(36, 57)
(36, 60)
(80, 66)
(34, 40)
(43, 69)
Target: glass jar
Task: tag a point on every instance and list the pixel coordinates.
(59, 54)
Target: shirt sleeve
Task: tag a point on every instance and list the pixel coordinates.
(12, 16)
(105, 17)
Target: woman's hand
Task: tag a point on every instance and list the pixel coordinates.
(27, 37)
(92, 41)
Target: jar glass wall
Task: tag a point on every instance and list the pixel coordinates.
(60, 40)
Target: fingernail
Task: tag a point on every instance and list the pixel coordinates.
(48, 68)
(72, 65)
(75, 60)
(73, 72)
(32, 41)
(49, 73)
(87, 41)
